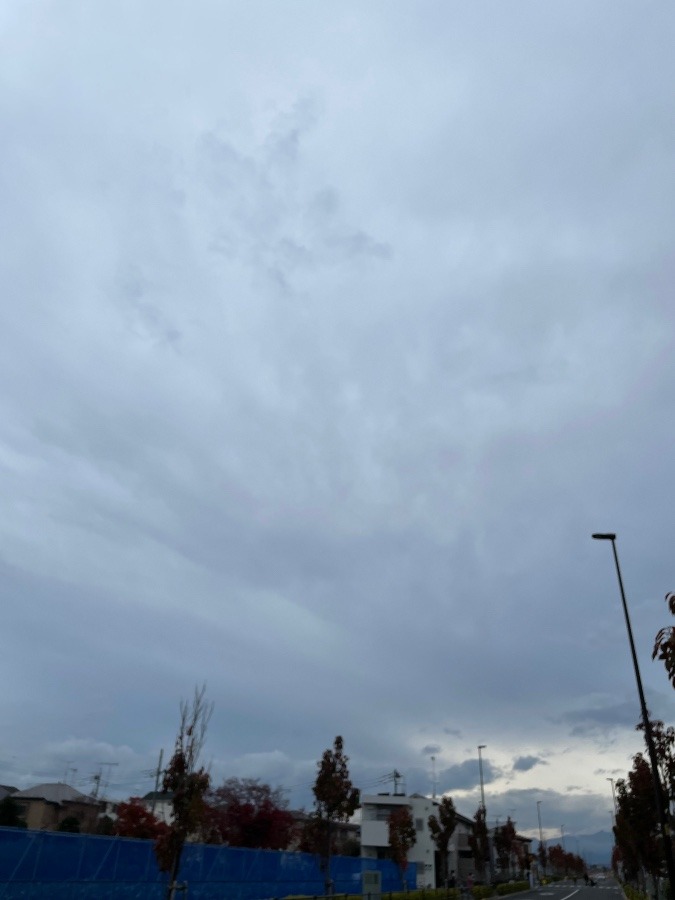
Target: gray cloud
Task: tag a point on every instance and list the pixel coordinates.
(601, 720)
(525, 763)
(465, 775)
(320, 369)
(430, 749)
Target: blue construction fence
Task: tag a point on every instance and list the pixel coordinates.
(43, 865)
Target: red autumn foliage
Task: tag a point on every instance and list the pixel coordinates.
(135, 821)
(664, 643)
(402, 836)
(242, 812)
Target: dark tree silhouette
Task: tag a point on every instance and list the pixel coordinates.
(70, 824)
(664, 643)
(442, 828)
(479, 841)
(11, 813)
(188, 784)
(335, 800)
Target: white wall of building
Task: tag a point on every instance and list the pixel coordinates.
(375, 811)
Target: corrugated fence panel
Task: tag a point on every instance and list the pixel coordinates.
(39, 865)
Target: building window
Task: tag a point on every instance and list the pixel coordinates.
(419, 824)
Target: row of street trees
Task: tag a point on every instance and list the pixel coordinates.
(560, 862)
(637, 848)
(644, 798)
(510, 853)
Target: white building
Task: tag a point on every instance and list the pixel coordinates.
(375, 812)
(160, 804)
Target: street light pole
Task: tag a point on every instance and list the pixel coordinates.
(480, 772)
(649, 737)
(542, 856)
(611, 781)
(483, 807)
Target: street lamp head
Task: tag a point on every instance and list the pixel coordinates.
(482, 746)
(604, 537)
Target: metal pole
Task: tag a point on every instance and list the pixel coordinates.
(611, 781)
(482, 803)
(480, 770)
(542, 858)
(649, 737)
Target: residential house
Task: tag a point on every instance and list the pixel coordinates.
(45, 806)
(160, 804)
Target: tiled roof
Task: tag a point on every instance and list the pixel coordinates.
(54, 793)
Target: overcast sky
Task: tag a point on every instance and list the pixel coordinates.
(331, 331)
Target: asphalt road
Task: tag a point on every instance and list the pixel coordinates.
(605, 889)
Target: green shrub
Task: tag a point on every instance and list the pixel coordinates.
(632, 893)
(481, 891)
(478, 892)
(512, 887)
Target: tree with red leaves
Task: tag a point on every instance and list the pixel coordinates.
(188, 785)
(134, 820)
(402, 838)
(664, 643)
(247, 813)
(506, 842)
(664, 745)
(564, 863)
(637, 822)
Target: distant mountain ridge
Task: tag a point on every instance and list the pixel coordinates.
(595, 848)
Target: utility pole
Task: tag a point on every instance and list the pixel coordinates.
(107, 780)
(396, 775)
(97, 784)
(158, 772)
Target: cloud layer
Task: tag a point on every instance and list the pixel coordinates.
(331, 334)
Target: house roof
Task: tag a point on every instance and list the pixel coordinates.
(161, 796)
(58, 792)
(5, 790)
